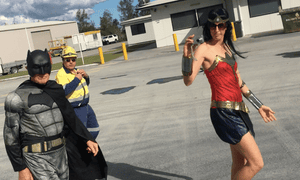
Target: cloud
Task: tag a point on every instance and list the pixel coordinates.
(20, 11)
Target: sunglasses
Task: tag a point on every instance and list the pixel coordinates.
(220, 26)
(68, 60)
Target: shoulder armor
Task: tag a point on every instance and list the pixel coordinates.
(13, 103)
(18, 100)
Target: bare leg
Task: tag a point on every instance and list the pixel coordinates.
(238, 161)
(248, 149)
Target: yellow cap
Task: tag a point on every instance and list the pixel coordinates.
(68, 52)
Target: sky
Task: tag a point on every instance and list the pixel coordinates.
(25, 11)
(111, 5)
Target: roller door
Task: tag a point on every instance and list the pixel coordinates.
(40, 39)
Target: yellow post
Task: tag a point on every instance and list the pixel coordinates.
(233, 32)
(175, 42)
(124, 51)
(101, 55)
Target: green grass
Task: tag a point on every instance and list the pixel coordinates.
(14, 75)
(87, 60)
(96, 58)
(109, 55)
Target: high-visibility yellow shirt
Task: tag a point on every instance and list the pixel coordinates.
(76, 90)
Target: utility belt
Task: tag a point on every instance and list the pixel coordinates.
(49, 144)
(240, 106)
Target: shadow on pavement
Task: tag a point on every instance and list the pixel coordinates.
(127, 171)
(114, 76)
(118, 90)
(294, 54)
(168, 79)
(165, 80)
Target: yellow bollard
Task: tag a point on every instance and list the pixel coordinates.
(233, 32)
(124, 51)
(101, 55)
(175, 42)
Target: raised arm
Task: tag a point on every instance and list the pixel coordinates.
(84, 75)
(196, 62)
(266, 113)
(69, 86)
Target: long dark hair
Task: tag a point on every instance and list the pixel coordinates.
(223, 14)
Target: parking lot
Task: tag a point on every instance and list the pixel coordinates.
(154, 127)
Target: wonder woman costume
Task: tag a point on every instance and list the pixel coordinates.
(228, 112)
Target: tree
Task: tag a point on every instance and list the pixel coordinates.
(82, 21)
(116, 23)
(142, 12)
(126, 9)
(106, 22)
(109, 25)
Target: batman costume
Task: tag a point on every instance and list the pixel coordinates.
(38, 117)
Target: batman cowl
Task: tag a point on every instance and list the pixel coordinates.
(38, 62)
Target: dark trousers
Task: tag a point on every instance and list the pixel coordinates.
(87, 116)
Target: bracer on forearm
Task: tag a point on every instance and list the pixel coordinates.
(187, 61)
(253, 99)
(187, 65)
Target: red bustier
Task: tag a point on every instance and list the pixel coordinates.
(223, 80)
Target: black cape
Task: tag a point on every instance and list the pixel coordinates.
(82, 165)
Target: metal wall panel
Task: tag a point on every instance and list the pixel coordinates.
(40, 39)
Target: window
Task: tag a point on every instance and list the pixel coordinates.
(263, 7)
(203, 13)
(95, 37)
(138, 29)
(188, 19)
(184, 20)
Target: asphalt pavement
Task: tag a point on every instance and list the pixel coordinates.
(153, 127)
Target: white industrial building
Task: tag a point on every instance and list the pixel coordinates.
(17, 39)
(139, 30)
(186, 17)
(85, 41)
